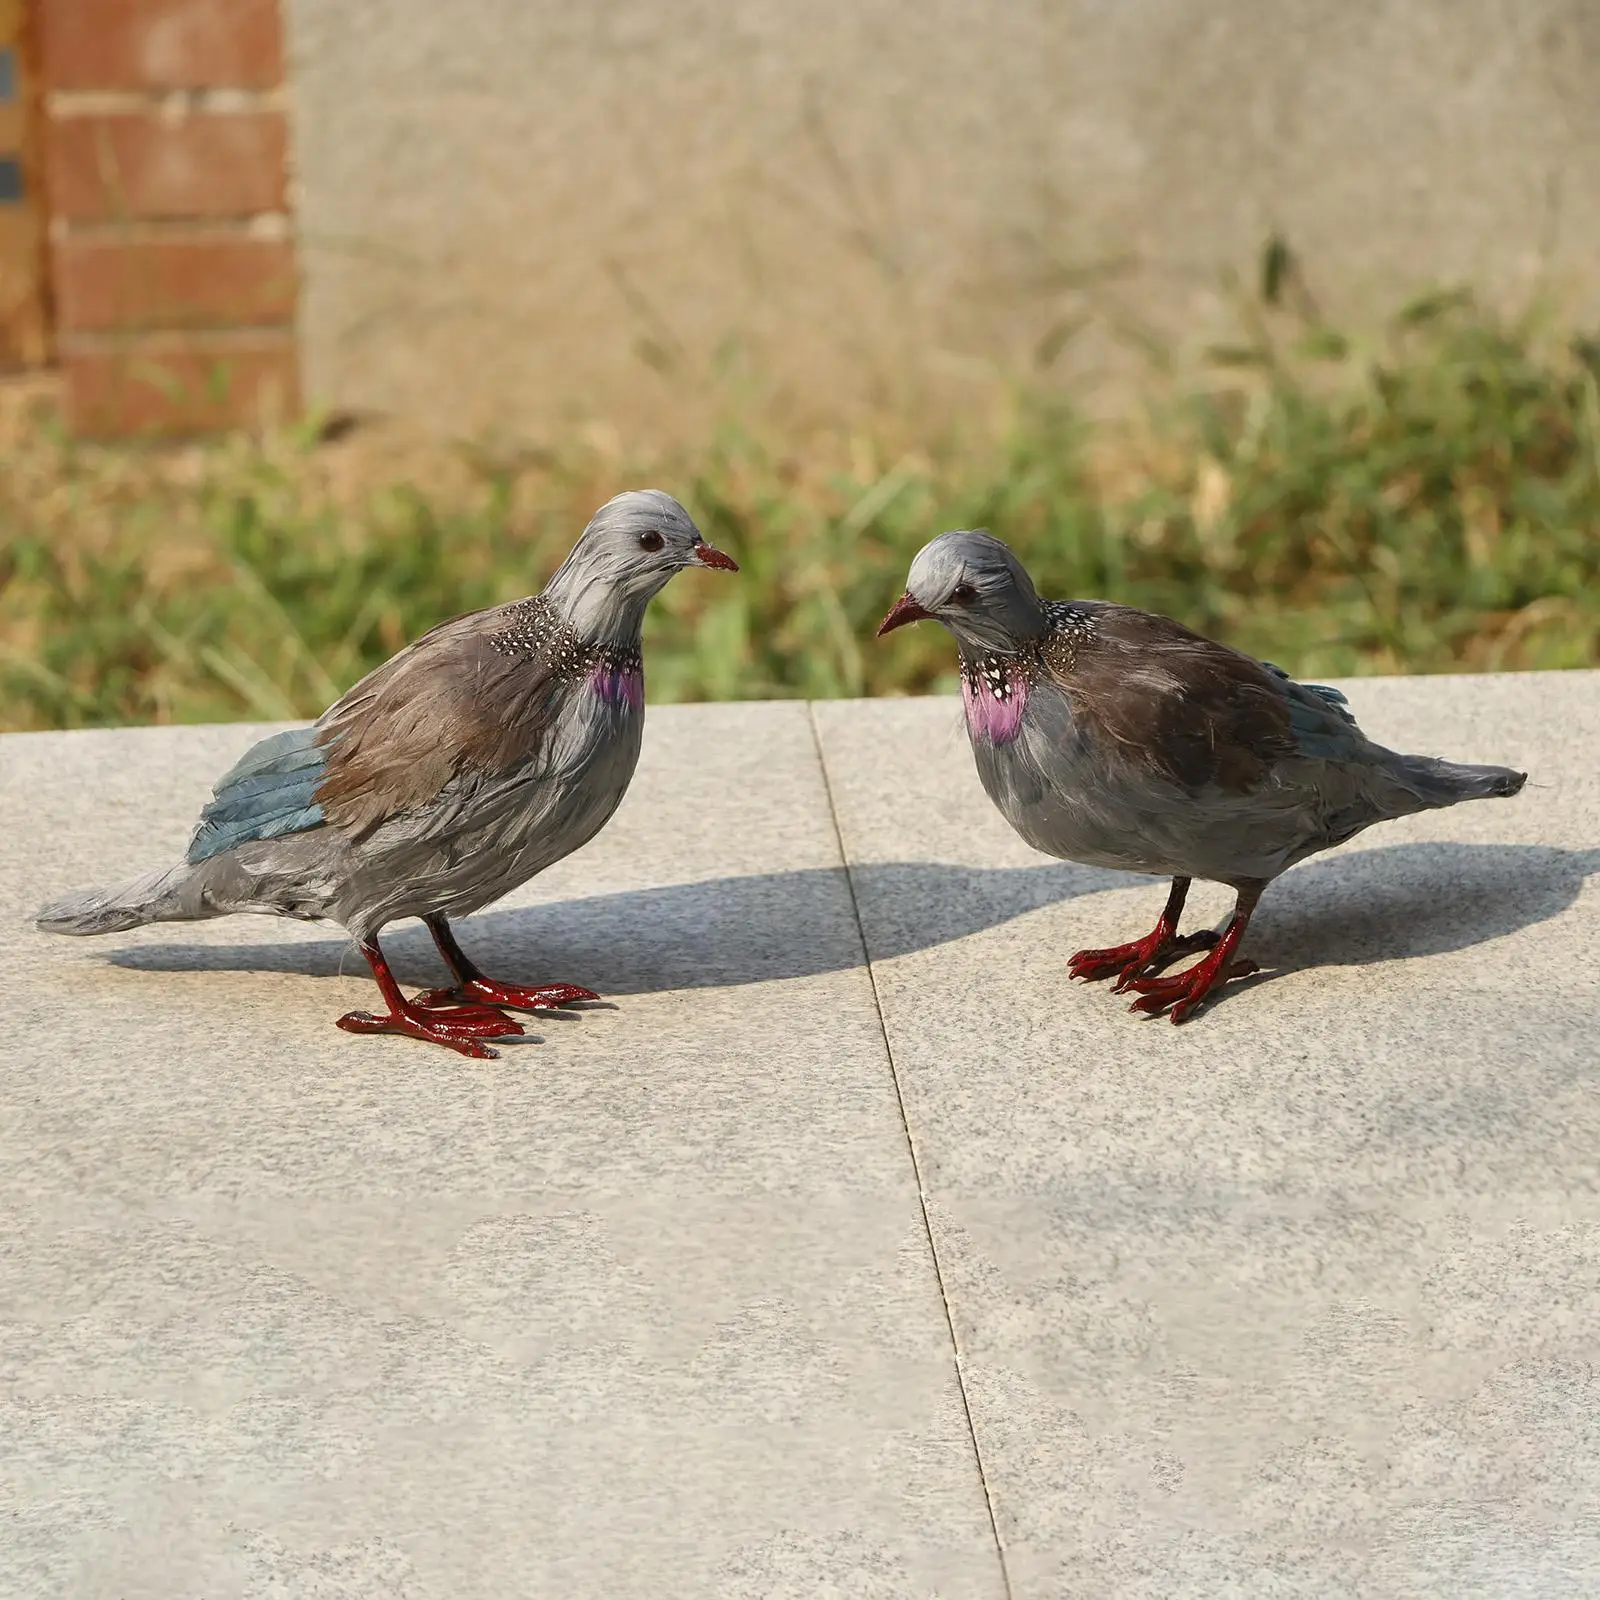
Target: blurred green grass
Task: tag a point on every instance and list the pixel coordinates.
(1425, 501)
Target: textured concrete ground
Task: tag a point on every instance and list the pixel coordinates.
(795, 1275)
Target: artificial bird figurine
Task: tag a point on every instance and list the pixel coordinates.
(495, 745)
(1115, 738)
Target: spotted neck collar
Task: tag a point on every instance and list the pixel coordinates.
(534, 630)
(1002, 673)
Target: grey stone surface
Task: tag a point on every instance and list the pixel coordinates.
(647, 1309)
(515, 214)
(1303, 1298)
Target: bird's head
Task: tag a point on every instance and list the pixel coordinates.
(971, 582)
(632, 546)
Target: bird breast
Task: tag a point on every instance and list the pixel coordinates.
(488, 833)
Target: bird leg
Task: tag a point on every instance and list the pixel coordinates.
(1186, 991)
(460, 1028)
(471, 986)
(1159, 948)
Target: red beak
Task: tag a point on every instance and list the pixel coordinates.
(904, 610)
(709, 556)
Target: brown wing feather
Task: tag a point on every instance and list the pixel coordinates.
(449, 703)
(1191, 709)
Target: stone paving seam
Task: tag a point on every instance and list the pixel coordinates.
(911, 1150)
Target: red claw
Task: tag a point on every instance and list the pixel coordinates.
(1125, 962)
(460, 1029)
(491, 992)
(1188, 990)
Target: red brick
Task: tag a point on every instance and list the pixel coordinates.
(24, 325)
(196, 385)
(161, 44)
(24, 329)
(107, 284)
(141, 165)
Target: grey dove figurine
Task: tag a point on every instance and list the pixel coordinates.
(1120, 739)
(494, 745)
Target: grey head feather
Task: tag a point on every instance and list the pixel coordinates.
(631, 547)
(972, 583)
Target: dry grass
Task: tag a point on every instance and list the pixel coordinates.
(1426, 504)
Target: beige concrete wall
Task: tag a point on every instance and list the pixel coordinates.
(517, 213)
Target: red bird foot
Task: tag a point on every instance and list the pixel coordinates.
(1188, 990)
(1159, 948)
(472, 987)
(458, 1028)
(520, 997)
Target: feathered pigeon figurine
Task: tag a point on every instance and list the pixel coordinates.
(495, 745)
(1120, 739)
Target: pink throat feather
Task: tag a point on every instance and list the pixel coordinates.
(996, 718)
(621, 687)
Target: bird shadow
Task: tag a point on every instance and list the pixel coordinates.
(1420, 899)
(1352, 909)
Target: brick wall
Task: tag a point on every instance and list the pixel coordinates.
(171, 239)
(24, 325)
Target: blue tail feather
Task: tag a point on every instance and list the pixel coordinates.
(270, 791)
(1322, 727)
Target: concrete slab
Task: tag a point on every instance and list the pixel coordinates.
(1302, 1299)
(647, 1309)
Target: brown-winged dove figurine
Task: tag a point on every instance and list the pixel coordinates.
(1120, 739)
(495, 745)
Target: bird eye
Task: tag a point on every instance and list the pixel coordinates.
(964, 593)
(651, 540)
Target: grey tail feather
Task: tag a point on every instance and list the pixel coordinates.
(1444, 783)
(153, 897)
